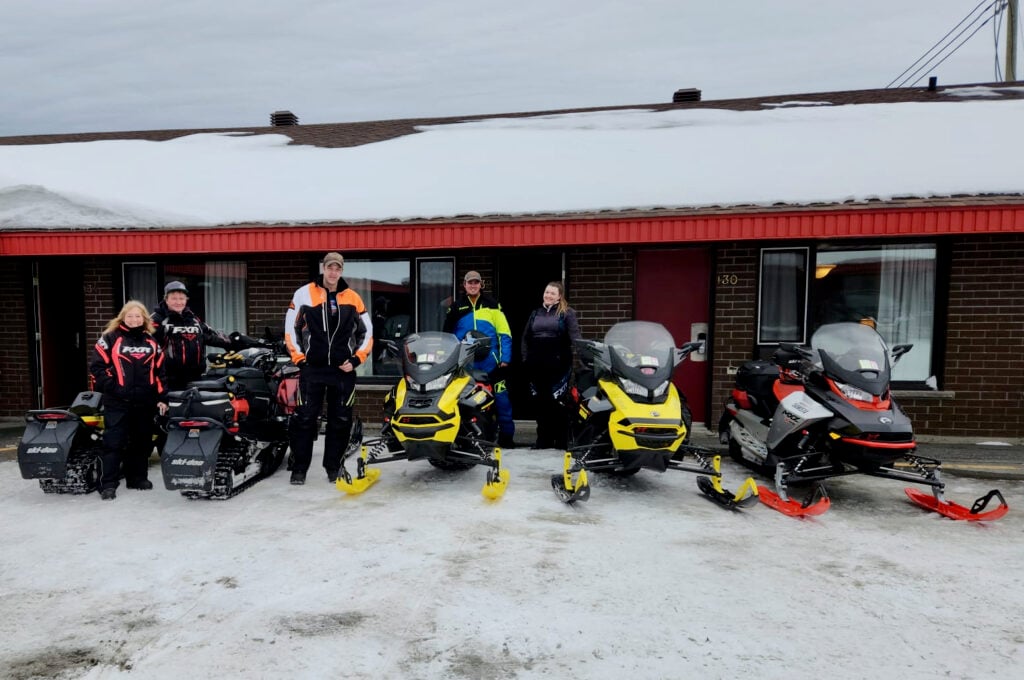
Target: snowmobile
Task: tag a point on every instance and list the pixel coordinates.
(441, 411)
(823, 411)
(629, 416)
(61, 447)
(228, 430)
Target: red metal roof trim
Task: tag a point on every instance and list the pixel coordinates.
(732, 226)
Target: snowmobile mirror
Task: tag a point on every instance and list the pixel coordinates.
(900, 350)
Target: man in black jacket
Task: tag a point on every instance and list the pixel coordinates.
(183, 337)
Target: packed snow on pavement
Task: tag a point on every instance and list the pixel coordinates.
(422, 577)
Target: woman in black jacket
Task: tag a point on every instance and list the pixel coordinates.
(127, 369)
(547, 356)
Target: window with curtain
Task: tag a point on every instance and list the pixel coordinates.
(139, 282)
(894, 285)
(434, 290)
(782, 301)
(216, 289)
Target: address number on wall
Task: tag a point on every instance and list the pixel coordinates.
(728, 279)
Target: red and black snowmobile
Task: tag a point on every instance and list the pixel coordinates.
(230, 429)
(826, 411)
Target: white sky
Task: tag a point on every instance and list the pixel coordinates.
(421, 577)
(562, 163)
(73, 66)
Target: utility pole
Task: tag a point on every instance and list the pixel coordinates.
(1011, 41)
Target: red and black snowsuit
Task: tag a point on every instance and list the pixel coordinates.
(127, 368)
(184, 338)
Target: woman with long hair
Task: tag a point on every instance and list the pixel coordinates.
(127, 369)
(547, 357)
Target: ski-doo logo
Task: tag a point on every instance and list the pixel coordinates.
(42, 449)
(186, 461)
(885, 420)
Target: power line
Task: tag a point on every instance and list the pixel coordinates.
(946, 45)
(928, 65)
(957, 47)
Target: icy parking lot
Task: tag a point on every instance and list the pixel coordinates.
(421, 577)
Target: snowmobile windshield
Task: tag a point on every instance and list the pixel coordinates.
(641, 351)
(430, 355)
(853, 354)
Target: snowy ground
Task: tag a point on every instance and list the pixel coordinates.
(421, 577)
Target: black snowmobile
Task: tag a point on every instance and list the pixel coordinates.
(230, 429)
(61, 447)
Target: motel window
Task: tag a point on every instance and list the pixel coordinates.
(400, 303)
(892, 284)
(782, 305)
(216, 289)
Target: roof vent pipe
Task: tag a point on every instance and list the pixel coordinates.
(283, 118)
(933, 83)
(689, 94)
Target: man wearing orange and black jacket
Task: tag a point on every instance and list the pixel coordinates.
(329, 333)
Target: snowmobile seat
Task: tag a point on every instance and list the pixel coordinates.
(213, 385)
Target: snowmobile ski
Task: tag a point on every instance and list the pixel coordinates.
(711, 486)
(497, 479)
(711, 483)
(568, 489)
(817, 503)
(366, 476)
(975, 513)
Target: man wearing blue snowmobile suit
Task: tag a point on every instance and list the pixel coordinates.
(476, 311)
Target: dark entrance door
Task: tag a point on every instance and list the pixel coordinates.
(60, 320)
(673, 288)
(522, 276)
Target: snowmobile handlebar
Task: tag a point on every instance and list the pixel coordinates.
(242, 341)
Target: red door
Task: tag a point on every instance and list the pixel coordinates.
(672, 288)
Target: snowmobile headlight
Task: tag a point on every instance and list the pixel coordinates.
(853, 393)
(435, 384)
(631, 387)
(639, 390)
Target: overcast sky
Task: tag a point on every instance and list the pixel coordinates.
(74, 66)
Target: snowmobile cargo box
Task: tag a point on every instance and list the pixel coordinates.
(45, 445)
(193, 403)
(252, 385)
(757, 377)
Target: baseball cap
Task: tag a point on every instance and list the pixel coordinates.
(173, 286)
(472, 275)
(334, 258)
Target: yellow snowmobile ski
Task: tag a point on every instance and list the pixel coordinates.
(364, 479)
(711, 486)
(570, 490)
(497, 479)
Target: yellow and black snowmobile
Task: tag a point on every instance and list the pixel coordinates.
(629, 416)
(440, 411)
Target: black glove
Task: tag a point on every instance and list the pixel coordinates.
(355, 361)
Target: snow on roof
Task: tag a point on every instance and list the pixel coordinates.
(796, 152)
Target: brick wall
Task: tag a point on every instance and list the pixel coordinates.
(600, 287)
(733, 330)
(16, 364)
(985, 344)
(273, 279)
